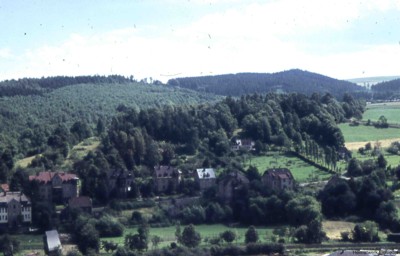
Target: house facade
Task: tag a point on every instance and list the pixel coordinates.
(232, 182)
(15, 209)
(166, 178)
(205, 178)
(245, 144)
(56, 187)
(120, 183)
(278, 179)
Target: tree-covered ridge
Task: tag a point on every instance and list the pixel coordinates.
(39, 86)
(392, 85)
(389, 90)
(287, 81)
(25, 120)
(152, 136)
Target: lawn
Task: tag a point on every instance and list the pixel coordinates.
(301, 170)
(391, 110)
(167, 234)
(364, 133)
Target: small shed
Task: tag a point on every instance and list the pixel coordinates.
(52, 242)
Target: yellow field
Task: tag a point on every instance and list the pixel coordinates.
(334, 228)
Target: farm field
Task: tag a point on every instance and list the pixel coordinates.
(366, 134)
(391, 110)
(301, 170)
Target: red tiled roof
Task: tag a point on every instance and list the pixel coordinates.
(48, 176)
(5, 187)
(280, 173)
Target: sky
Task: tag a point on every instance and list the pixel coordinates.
(164, 39)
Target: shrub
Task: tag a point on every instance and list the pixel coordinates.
(267, 249)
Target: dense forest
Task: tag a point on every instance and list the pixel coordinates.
(26, 125)
(389, 90)
(287, 81)
(39, 86)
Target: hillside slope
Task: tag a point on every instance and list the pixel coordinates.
(287, 81)
(23, 115)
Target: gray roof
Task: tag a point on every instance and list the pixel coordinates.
(205, 173)
(53, 240)
(9, 196)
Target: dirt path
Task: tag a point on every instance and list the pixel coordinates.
(357, 145)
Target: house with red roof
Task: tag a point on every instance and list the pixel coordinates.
(278, 179)
(57, 187)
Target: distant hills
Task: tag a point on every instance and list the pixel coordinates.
(294, 80)
(370, 81)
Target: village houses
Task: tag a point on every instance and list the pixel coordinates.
(231, 183)
(166, 178)
(15, 209)
(205, 178)
(278, 179)
(56, 187)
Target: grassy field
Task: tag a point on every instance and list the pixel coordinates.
(77, 152)
(301, 170)
(206, 231)
(364, 133)
(391, 110)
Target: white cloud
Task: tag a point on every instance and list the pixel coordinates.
(5, 53)
(255, 38)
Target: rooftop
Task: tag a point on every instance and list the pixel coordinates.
(205, 173)
(46, 177)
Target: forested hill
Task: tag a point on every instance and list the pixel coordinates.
(387, 90)
(39, 86)
(294, 80)
(26, 121)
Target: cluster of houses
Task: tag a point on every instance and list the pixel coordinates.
(62, 188)
(168, 177)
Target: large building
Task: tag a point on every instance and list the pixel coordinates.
(230, 184)
(205, 177)
(15, 209)
(278, 179)
(56, 187)
(166, 178)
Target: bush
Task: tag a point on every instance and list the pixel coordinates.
(366, 232)
(108, 226)
(261, 249)
(227, 250)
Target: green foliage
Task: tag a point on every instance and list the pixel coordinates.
(190, 237)
(140, 240)
(9, 245)
(229, 236)
(251, 235)
(248, 83)
(366, 232)
(108, 226)
(87, 238)
(302, 210)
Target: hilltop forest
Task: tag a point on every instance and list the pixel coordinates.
(282, 82)
(32, 109)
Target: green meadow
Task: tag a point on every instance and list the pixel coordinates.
(391, 110)
(367, 133)
(167, 234)
(302, 171)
